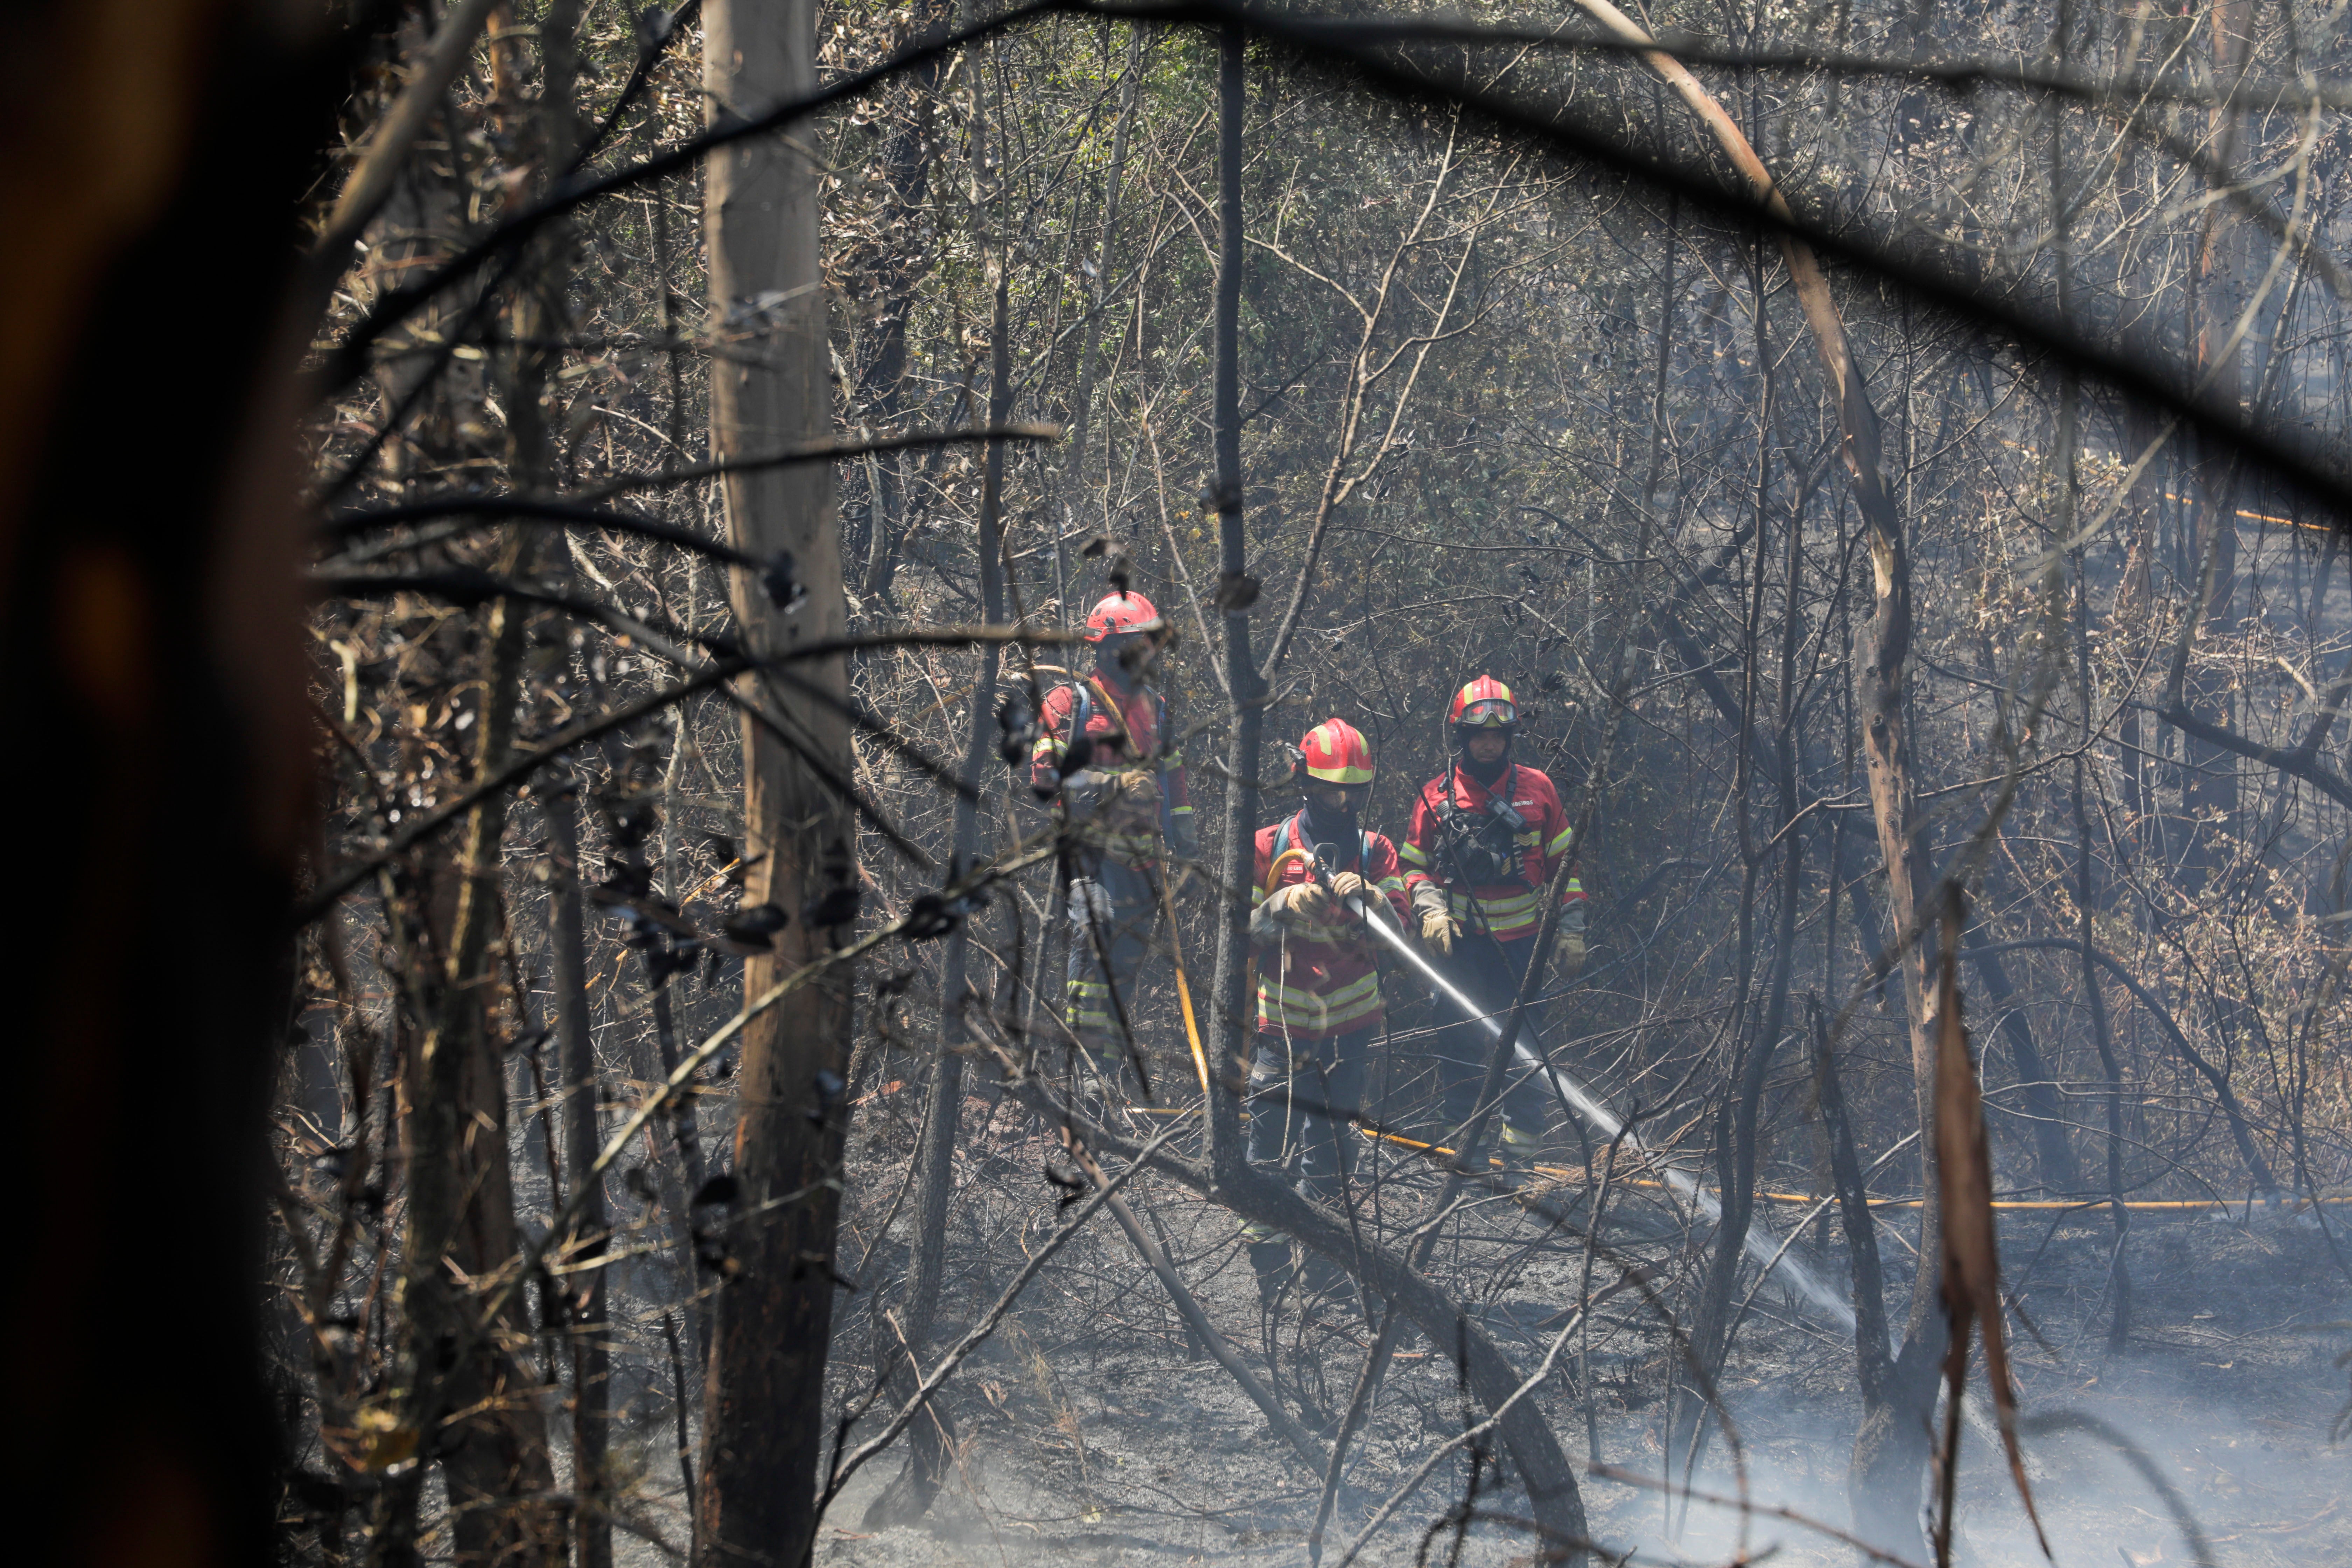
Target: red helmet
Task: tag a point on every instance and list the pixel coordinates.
(1120, 614)
(1486, 703)
(1335, 753)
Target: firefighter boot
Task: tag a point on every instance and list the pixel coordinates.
(1516, 1150)
(1270, 1261)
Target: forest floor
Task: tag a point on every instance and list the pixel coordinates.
(1087, 1433)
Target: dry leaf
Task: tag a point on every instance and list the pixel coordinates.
(1971, 1250)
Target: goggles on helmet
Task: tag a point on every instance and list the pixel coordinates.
(1492, 713)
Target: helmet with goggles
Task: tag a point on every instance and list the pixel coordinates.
(1484, 704)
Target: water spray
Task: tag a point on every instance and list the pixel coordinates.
(1761, 1243)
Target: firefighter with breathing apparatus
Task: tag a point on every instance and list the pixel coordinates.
(1320, 874)
(1106, 749)
(1486, 836)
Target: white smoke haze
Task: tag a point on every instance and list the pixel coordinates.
(818, 619)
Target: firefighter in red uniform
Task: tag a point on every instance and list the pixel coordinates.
(1318, 987)
(1130, 802)
(1486, 836)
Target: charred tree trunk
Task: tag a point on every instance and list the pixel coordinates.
(763, 1416)
(2053, 1156)
(153, 152)
(1873, 1364)
(1231, 1066)
(591, 1530)
(460, 1213)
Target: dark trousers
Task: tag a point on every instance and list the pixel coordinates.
(1301, 1093)
(1489, 972)
(1106, 954)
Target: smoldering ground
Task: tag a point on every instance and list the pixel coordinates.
(1089, 1432)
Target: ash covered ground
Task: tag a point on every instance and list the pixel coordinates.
(1090, 1428)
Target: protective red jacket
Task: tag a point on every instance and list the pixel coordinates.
(1316, 979)
(1129, 730)
(1511, 910)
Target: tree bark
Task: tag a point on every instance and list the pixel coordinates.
(155, 149)
(763, 1416)
(2053, 1156)
(591, 1527)
(460, 1210)
(1229, 985)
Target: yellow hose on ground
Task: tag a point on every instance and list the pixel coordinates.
(1564, 1173)
(1184, 990)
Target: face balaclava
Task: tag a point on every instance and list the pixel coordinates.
(1325, 825)
(1485, 773)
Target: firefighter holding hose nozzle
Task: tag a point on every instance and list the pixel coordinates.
(1107, 749)
(1486, 837)
(1320, 874)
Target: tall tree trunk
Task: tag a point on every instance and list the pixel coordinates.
(497, 1463)
(1230, 983)
(2209, 776)
(591, 1529)
(1711, 1323)
(154, 150)
(763, 1415)
(905, 169)
(460, 1210)
(2086, 891)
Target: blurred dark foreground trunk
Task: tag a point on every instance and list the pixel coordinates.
(153, 157)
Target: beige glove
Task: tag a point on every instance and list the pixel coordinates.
(1134, 799)
(1438, 926)
(1347, 885)
(1568, 955)
(1298, 901)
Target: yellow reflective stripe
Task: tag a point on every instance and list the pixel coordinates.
(1509, 904)
(1367, 981)
(1316, 1010)
(1559, 844)
(1391, 884)
(1411, 854)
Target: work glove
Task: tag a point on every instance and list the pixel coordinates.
(1438, 930)
(1347, 885)
(1568, 956)
(1132, 800)
(1438, 926)
(1183, 838)
(1090, 903)
(1299, 902)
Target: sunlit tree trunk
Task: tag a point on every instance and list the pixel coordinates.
(764, 1405)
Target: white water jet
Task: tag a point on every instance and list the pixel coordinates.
(1760, 1243)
